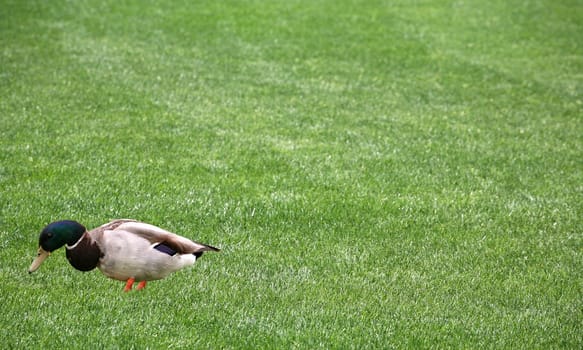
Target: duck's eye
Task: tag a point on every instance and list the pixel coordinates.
(50, 235)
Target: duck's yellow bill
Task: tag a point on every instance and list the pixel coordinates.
(42, 255)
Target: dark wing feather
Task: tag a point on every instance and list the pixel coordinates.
(165, 249)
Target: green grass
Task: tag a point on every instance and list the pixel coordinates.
(379, 174)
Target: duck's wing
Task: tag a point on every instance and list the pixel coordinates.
(161, 238)
(97, 233)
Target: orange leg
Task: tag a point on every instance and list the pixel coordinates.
(141, 285)
(129, 284)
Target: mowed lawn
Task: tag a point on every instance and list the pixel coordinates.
(378, 174)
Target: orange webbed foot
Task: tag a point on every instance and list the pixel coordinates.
(141, 285)
(129, 284)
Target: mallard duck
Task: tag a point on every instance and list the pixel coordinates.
(125, 250)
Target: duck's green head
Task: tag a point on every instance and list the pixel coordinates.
(54, 236)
